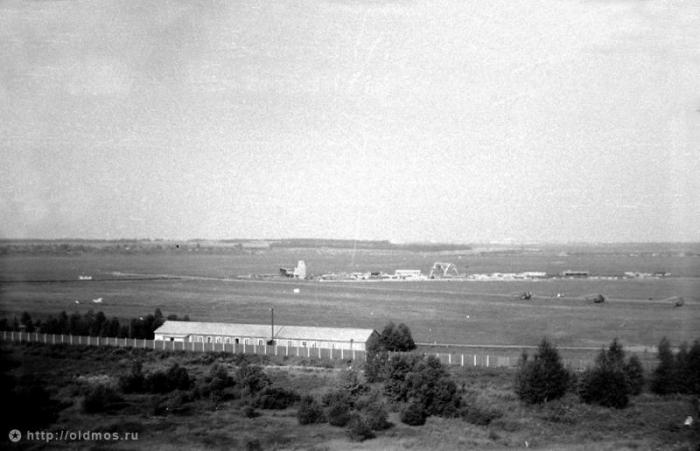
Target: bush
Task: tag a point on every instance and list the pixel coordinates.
(275, 398)
(310, 411)
(252, 378)
(429, 384)
(375, 367)
(542, 379)
(413, 415)
(349, 382)
(359, 430)
(250, 412)
(376, 417)
(338, 415)
(604, 385)
(101, 398)
(479, 415)
(175, 378)
(134, 382)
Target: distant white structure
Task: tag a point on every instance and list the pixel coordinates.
(83, 277)
(443, 270)
(261, 334)
(298, 272)
(97, 301)
(408, 274)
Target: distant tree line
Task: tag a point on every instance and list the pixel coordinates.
(613, 378)
(91, 324)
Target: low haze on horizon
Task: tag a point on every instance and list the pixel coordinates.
(409, 121)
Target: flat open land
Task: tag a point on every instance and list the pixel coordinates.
(206, 287)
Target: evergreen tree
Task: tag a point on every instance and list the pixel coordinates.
(543, 378)
(662, 380)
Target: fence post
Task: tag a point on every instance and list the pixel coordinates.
(353, 353)
(319, 353)
(462, 363)
(308, 352)
(487, 360)
(341, 354)
(449, 359)
(255, 347)
(474, 359)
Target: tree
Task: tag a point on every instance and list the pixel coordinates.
(693, 368)
(662, 380)
(635, 375)
(543, 378)
(26, 321)
(396, 338)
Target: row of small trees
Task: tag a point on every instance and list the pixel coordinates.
(91, 323)
(613, 377)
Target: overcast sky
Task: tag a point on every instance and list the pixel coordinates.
(409, 120)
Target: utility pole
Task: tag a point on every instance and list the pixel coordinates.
(272, 325)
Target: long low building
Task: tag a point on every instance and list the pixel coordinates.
(260, 334)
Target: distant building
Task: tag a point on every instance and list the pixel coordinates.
(571, 273)
(408, 274)
(260, 334)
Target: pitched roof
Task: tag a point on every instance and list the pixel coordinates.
(282, 332)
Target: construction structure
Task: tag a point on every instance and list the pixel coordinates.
(442, 270)
(264, 334)
(298, 272)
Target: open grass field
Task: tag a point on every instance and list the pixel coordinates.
(481, 313)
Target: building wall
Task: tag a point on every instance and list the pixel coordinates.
(261, 341)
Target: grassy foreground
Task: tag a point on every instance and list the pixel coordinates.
(67, 373)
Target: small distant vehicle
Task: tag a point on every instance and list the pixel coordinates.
(598, 299)
(679, 302)
(526, 295)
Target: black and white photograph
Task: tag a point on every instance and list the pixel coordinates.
(350, 225)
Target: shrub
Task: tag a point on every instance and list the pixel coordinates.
(275, 398)
(604, 385)
(542, 379)
(338, 414)
(175, 378)
(480, 415)
(359, 430)
(337, 397)
(375, 367)
(250, 412)
(376, 417)
(413, 415)
(101, 398)
(349, 382)
(310, 411)
(429, 384)
(134, 382)
(252, 378)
